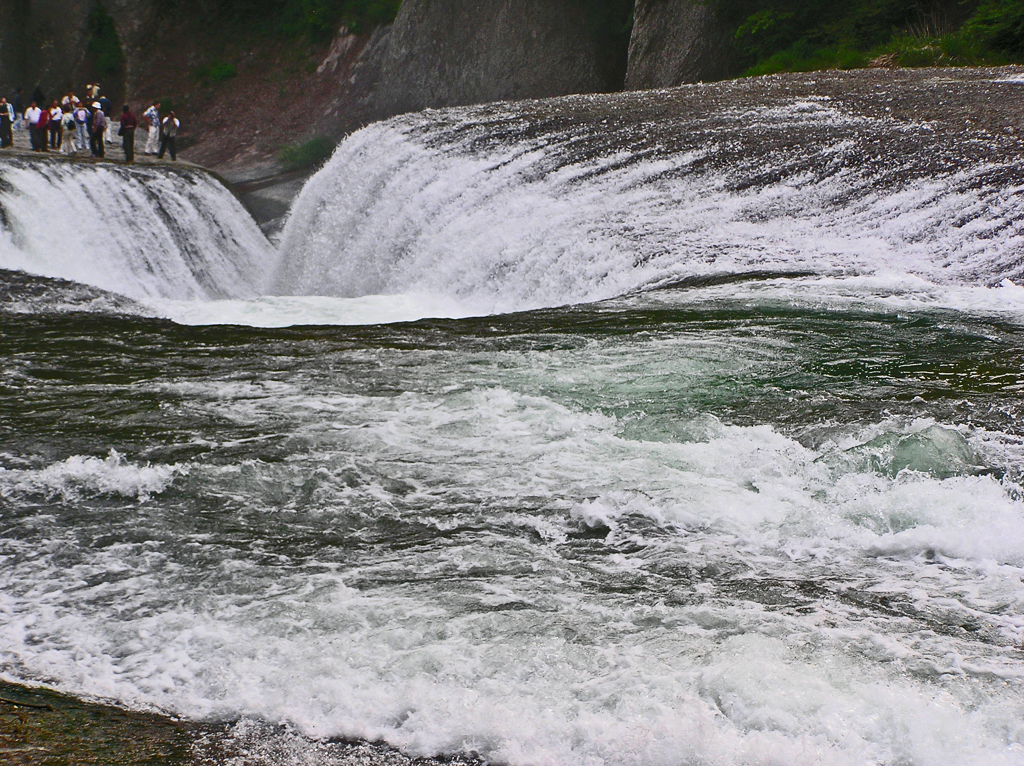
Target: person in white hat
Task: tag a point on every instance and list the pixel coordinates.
(97, 125)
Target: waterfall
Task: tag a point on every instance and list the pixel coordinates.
(518, 206)
(143, 232)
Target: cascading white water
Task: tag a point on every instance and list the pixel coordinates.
(499, 208)
(143, 232)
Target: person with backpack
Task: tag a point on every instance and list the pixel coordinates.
(127, 133)
(70, 146)
(81, 115)
(168, 134)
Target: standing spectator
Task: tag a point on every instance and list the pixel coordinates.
(41, 130)
(19, 108)
(97, 125)
(82, 127)
(108, 109)
(6, 123)
(152, 116)
(127, 133)
(168, 134)
(70, 127)
(56, 125)
(32, 123)
(70, 99)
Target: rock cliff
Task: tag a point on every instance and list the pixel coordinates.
(676, 42)
(437, 53)
(468, 52)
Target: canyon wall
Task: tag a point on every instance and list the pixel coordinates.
(676, 42)
(469, 52)
(437, 53)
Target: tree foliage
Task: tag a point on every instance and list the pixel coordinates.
(104, 47)
(779, 35)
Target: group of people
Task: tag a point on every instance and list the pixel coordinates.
(71, 125)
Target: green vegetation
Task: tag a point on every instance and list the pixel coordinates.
(609, 23)
(802, 35)
(308, 156)
(610, 20)
(104, 47)
(215, 73)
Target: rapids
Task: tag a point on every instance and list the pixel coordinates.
(704, 447)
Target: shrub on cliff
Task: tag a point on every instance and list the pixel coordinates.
(307, 156)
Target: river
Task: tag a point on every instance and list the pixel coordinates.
(650, 429)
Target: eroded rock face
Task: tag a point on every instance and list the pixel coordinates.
(53, 40)
(676, 42)
(468, 52)
(45, 42)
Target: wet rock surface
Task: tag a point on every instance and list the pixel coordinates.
(38, 726)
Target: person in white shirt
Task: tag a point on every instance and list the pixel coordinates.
(168, 135)
(82, 127)
(56, 126)
(32, 119)
(152, 116)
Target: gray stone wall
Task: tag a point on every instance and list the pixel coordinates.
(676, 42)
(44, 42)
(456, 52)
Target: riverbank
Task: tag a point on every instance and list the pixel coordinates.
(38, 726)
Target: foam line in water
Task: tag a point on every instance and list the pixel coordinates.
(142, 232)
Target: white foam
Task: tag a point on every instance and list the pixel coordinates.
(143, 232)
(289, 311)
(79, 476)
(531, 663)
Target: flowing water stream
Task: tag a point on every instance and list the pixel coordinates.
(653, 429)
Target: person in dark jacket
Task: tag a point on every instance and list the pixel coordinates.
(168, 136)
(97, 124)
(42, 129)
(108, 110)
(127, 133)
(6, 122)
